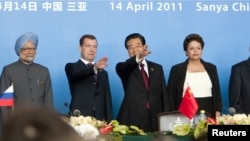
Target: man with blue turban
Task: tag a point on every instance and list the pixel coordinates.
(22, 40)
(31, 81)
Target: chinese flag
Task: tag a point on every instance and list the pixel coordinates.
(189, 104)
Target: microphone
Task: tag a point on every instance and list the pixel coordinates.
(77, 112)
(231, 111)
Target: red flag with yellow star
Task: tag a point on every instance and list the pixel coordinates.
(188, 106)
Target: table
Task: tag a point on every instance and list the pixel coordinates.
(157, 138)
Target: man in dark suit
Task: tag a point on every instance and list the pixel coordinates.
(140, 104)
(89, 83)
(239, 90)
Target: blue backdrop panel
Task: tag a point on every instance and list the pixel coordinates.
(224, 25)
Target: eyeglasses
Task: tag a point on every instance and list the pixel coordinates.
(26, 49)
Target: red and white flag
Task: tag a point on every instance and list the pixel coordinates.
(7, 97)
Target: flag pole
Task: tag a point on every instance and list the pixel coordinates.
(12, 107)
(192, 122)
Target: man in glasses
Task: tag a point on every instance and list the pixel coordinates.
(31, 81)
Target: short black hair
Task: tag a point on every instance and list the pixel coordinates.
(90, 36)
(133, 36)
(192, 37)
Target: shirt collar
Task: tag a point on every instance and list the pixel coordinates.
(86, 62)
(145, 63)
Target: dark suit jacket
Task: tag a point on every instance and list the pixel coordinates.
(176, 82)
(239, 88)
(90, 97)
(133, 108)
(32, 84)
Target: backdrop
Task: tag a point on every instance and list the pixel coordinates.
(224, 26)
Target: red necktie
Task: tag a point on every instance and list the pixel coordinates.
(146, 81)
(144, 76)
(94, 76)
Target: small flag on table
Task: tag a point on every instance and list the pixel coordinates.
(188, 106)
(7, 97)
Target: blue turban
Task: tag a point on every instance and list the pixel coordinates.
(23, 39)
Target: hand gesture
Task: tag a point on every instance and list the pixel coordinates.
(101, 64)
(143, 53)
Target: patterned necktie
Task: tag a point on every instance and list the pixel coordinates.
(144, 76)
(94, 76)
